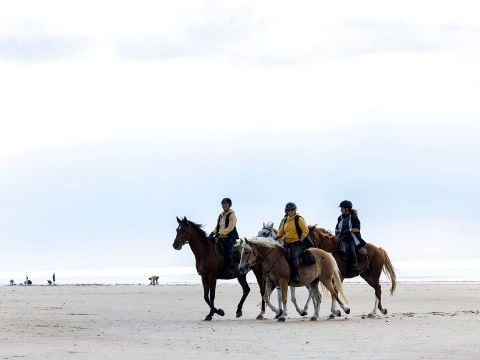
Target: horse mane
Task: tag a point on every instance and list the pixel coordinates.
(198, 229)
(322, 231)
(265, 242)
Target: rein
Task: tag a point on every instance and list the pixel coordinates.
(263, 258)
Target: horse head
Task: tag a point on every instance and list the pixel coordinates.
(247, 256)
(267, 230)
(182, 233)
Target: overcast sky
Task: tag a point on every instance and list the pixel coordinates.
(118, 116)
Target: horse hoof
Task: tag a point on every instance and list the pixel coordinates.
(260, 317)
(282, 319)
(347, 310)
(337, 313)
(384, 311)
(221, 312)
(303, 313)
(313, 318)
(208, 318)
(371, 316)
(280, 313)
(239, 314)
(331, 316)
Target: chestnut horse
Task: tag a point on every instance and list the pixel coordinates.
(370, 268)
(209, 264)
(276, 270)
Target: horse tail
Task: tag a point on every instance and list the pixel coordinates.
(337, 280)
(389, 272)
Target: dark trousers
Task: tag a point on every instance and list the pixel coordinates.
(294, 250)
(352, 249)
(228, 243)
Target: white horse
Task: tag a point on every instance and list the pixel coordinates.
(268, 231)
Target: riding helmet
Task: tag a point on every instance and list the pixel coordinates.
(346, 204)
(227, 201)
(290, 206)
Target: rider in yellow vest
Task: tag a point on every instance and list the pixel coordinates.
(293, 230)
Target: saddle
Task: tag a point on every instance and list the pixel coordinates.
(306, 259)
(221, 252)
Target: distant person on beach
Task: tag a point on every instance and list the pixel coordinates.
(53, 278)
(226, 230)
(27, 282)
(348, 230)
(12, 282)
(153, 279)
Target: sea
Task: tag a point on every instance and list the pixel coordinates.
(414, 271)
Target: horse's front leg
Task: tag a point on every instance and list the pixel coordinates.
(294, 301)
(284, 288)
(206, 296)
(246, 290)
(266, 297)
(305, 308)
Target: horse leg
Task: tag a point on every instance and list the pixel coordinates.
(279, 297)
(266, 297)
(284, 288)
(294, 299)
(335, 298)
(374, 281)
(246, 289)
(206, 296)
(317, 299)
(261, 284)
(305, 308)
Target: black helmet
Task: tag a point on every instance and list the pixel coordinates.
(346, 204)
(290, 206)
(227, 201)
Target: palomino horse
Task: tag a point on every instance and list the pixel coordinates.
(268, 230)
(370, 268)
(277, 271)
(210, 265)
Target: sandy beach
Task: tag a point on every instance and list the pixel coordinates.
(438, 320)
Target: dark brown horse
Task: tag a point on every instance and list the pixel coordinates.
(209, 263)
(370, 268)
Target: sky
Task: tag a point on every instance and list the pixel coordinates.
(118, 116)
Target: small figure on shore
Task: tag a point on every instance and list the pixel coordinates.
(49, 282)
(53, 278)
(12, 282)
(27, 282)
(153, 280)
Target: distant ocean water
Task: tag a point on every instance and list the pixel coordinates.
(407, 271)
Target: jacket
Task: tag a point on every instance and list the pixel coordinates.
(289, 231)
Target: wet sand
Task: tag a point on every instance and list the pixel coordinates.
(424, 321)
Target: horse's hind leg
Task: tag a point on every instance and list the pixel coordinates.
(317, 299)
(334, 295)
(374, 281)
(246, 289)
(294, 300)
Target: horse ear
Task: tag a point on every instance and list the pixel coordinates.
(178, 220)
(264, 224)
(184, 219)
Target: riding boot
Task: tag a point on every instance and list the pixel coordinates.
(230, 267)
(294, 276)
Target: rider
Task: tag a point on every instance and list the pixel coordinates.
(294, 230)
(348, 229)
(226, 230)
